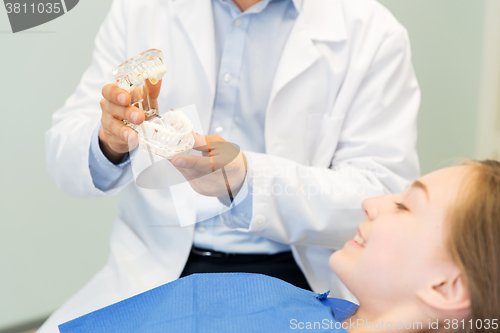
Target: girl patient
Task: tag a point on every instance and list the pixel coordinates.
(429, 255)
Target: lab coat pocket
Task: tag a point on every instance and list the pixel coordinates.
(323, 132)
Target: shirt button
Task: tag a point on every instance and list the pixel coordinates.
(219, 130)
(202, 229)
(237, 22)
(227, 77)
(259, 221)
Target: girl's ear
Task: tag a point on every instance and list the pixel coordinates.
(447, 293)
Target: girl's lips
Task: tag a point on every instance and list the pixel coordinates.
(353, 243)
(358, 240)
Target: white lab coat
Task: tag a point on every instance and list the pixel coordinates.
(344, 96)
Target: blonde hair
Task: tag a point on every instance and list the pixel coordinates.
(474, 242)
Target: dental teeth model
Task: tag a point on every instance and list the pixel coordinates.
(132, 74)
(147, 65)
(164, 136)
(168, 135)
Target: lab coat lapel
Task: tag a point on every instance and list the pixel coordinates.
(196, 17)
(298, 55)
(320, 20)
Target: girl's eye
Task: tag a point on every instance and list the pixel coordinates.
(400, 206)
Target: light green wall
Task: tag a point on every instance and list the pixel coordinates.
(51, 244)
(446, 39)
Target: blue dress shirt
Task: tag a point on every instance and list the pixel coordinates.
(248, 48)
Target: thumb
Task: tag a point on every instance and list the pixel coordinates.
(199, 140)
(193, 162)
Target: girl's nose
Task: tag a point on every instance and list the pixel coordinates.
(370, 207)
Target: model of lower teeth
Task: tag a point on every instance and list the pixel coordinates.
(164, 136)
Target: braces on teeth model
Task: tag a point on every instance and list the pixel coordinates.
(164, 136)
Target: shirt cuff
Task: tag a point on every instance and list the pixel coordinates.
(105, 174)
(241, 209)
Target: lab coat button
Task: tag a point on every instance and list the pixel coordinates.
(227, 77)
(260, 221)
(237, 22)
(202, 229)
(219, 130)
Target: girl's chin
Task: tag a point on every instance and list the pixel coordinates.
(341, 261)
(335, 261)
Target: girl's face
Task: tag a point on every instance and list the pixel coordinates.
(400, 247)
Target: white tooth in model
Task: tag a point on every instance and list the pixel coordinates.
(132, 73)
(166, 137)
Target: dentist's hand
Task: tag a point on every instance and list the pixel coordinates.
(115, 138)
(221, 169)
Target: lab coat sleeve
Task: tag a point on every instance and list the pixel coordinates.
(68, 141)
(241, 207)
(375, 155)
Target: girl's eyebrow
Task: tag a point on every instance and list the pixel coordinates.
(419, 184)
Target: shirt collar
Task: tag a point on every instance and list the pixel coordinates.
(296, 3)
(322, 19)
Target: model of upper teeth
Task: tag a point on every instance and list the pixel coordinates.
(132, 73)
(166, 136)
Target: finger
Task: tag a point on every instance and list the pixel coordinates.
(200, 141)
(221, 149)
(198, 163)
(136, 96)
(153, 89)
(115, 127)
(214, 138)
(151, 93)
(112, 93)
(134, 115)
(206, 164)
(131, 113)
(225, 156)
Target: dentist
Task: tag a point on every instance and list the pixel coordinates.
(320, 95)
